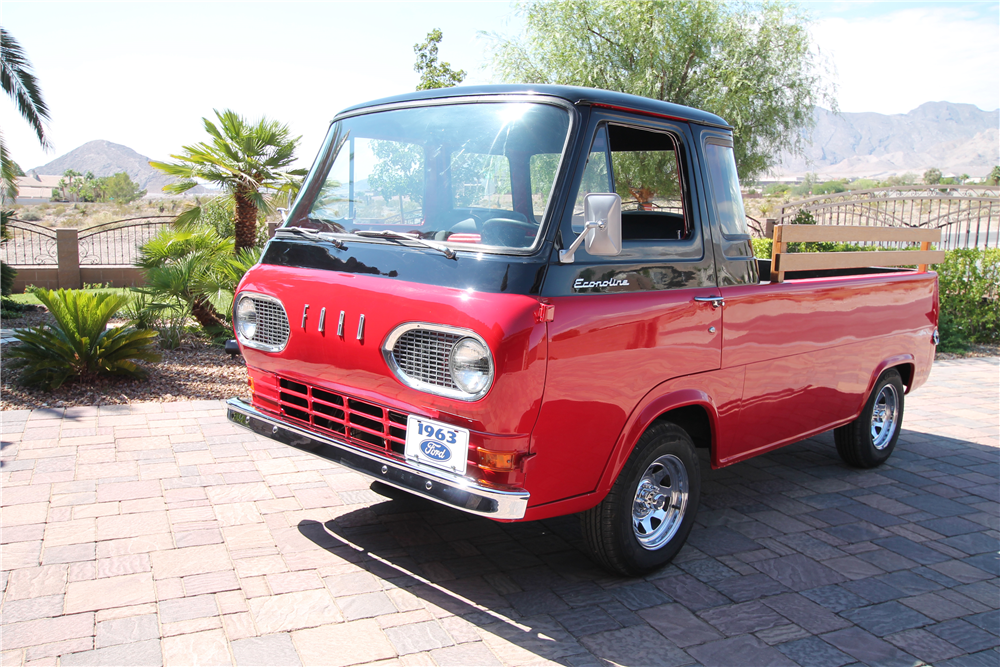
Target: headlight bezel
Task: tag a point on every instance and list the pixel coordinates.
(249, 341)
(416, 383)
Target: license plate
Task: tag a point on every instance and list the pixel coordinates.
(435, 444)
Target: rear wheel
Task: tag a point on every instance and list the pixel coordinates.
(646, 517)
(868, 441)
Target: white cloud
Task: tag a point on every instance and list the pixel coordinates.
(895, 62)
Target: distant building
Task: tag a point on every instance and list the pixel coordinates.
(35, 188)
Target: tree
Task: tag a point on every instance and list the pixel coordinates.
(19, 83)
(248, 160)
(752, 64)
(121, 188)
(434, 74)
(994, 176)
(932, 176)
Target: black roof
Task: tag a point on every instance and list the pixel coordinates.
(573, 94)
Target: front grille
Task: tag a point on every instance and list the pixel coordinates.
(422, 354)
(361, 422)
(272, 324)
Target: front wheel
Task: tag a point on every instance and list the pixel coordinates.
(647, 515)
(868, 441)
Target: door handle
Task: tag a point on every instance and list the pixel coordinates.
(716, 301)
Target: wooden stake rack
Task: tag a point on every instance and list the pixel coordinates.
(782, 261)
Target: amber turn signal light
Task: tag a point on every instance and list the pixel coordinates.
(499, 461)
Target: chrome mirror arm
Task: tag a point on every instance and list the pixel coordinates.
(566, 256)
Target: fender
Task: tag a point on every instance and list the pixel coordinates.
(652, 406)
(718, 392)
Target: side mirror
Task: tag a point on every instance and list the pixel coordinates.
(603, 229)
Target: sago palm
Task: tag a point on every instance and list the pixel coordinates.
(80, 344)
(246, 159)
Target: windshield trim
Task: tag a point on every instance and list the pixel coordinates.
(326, 153)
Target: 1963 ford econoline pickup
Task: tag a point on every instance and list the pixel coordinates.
(524, 302)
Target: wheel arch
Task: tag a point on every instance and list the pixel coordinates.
(905, 364)
(691, 409)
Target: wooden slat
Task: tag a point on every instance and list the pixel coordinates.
(813, 261)
(856, 234)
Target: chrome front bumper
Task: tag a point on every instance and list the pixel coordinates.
(451, 490)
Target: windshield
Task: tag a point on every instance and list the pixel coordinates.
(465, 175)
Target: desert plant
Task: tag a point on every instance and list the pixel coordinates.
(245, 159)
(196, 267)
(80, 344)
(178, 262)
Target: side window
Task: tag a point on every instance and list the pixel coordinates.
(726, 189)
(595, 176)
(646, 171)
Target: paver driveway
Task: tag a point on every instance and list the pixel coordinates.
(158, 533)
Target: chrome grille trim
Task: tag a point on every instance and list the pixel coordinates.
(272, 323)
(423, 355)
(418, 354)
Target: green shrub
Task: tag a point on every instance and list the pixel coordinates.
(80, 344)
(969, 284)
(761, 248)
(7, 276)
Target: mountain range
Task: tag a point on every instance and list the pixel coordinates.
(956, 138)
(104, 158)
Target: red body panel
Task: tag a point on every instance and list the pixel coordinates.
(502, 420)
(606, 353)
(813, 348)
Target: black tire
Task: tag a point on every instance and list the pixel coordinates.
(864, 443)
(613, 541)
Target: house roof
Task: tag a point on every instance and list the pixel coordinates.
(573, 94)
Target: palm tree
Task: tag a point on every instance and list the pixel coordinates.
(20, 84)
(246, 160)
(196, 268)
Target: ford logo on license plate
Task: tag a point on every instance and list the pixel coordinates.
(436, 444)
(435, 450)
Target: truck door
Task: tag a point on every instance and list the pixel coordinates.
(624, 324)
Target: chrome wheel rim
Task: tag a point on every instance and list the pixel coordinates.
(660, 502)
(885, 415)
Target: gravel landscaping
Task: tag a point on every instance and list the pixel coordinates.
(197, 370)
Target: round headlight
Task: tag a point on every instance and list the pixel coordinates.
(471, 366)
(246, 317)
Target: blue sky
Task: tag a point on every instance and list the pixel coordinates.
(143, 74)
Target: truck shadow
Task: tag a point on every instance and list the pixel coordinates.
(785, 522)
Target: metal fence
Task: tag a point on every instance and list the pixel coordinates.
(117, 243)
(29, 245)
(967, 215)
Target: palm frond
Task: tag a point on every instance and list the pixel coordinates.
(20, 84)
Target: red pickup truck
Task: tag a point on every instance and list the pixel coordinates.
(531, 301)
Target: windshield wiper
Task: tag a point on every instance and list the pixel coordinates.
(311, 235)
(400, 236)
